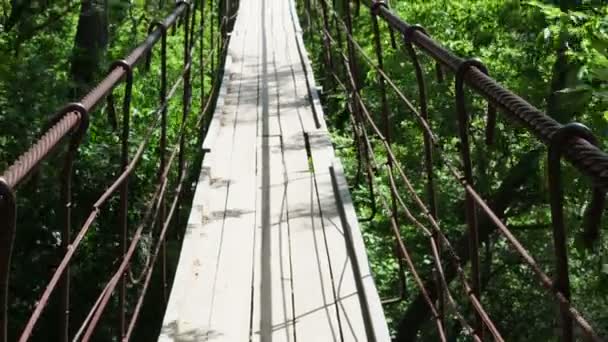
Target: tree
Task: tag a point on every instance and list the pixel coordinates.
(90, 43)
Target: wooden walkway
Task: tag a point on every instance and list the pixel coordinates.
(273, 250)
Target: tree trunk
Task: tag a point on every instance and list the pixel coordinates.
(562, 68)
(89, 45)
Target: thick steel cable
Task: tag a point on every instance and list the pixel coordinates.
(467, 288)
(68, 122)
(40, 150)
(163, 232)
(92, 216)
(111, 285)
(545, 280)
(437, 259)
(425, 230)
(588, 159)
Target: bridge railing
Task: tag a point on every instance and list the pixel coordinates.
(69, 126)
(574, 141)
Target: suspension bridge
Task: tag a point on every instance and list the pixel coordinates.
(272, 249)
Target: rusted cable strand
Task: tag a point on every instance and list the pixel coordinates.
(545, 280)
(369, 176)
(429, 165)
(163, 232)
(592, 216)
(92, 216)
(40, 150)
(587, 158)
(417, 279)
(468, 290)
(415, 275)
(102, 301)
(208, 102)
(371, 190)
(111, 285)
(427, 232)
(437, 259)
(394, 225)
(136, 280)
(92, 318)
(102, 295)
(391, 83)
(427, 213)
(433, 242)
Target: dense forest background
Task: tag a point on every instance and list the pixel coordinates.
(53, 53)
(552, 53)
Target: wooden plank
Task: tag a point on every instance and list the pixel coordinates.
(304, 71)
(189, 314)
(300, 97)
(262, 226)
(351, 317)
(272, 309)
(314, 303)
(232, 286)
(183, 319)
(354, 317)
(314, 307)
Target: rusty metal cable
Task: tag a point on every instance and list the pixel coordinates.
(437, 260)
(467, 288)
(72, 121)
(588, 159)
(111, 285)
(547, 283)
(28, 161)
(103, 198)
(91, 218)
(162, 235)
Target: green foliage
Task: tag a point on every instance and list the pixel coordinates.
(35, 81)
(519, 42)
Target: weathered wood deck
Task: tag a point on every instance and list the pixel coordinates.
(273, 251)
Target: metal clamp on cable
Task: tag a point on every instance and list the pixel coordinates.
(163, 28)
(83, 122)
(556, 196)
(408, 37)
(375, 8)
(72, 107)
(463, 68)
(110, 99)
(593, 213)
(408, 33)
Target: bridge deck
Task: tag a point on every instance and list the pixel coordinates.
(266, 255)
